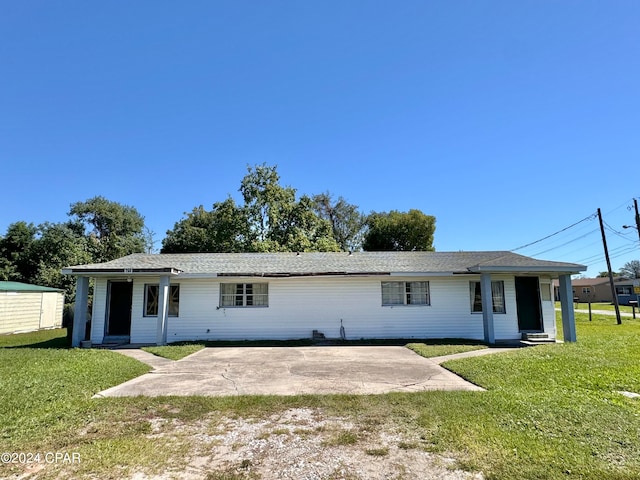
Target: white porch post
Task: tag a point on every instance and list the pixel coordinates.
(566, 304)
(80, 311)
(163, 310)
(487, 307)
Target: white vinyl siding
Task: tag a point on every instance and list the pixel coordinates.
(297, 306)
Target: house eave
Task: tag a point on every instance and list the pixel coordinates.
(569, 270)
(106, 272)
(299, 274)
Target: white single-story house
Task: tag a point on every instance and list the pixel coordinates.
(160, 298)
(25, 307)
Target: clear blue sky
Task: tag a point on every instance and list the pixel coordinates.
(505, 120)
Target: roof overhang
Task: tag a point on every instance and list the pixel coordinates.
(538, 269)
(299, 274)
(106, 272)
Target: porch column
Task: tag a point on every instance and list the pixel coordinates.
(566, 304)
(163, 310)
(80, 311)
(487, 308)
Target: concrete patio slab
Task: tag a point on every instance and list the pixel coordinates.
(292, 371)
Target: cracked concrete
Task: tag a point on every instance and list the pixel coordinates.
(292, 371)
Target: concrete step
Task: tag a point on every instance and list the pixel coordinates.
(537, 337)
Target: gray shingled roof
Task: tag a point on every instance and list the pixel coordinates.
(325, 263)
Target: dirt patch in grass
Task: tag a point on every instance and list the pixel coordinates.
(299, 443)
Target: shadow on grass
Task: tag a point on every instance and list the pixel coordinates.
(54, 343)
(42, 339)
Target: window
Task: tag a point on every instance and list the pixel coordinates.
(152, 297)
(244, 295)
(623, 290)
(497, 294)
(405, 293)
(586, 290)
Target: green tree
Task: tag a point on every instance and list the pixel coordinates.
(113, 229)
(347, 222)
(631, 269)
(606, 274)
(399, 231)
(223, 229)
(295, 227)
(277, 221)
(59, 245)
(16, 263)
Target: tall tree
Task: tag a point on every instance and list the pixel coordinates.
(265, 200)
(223, 229)
(347, 222)
(59, 245)
(114, 229)
(631, 269)
(15, 261)
(296, 228)
(399, 231)
(277, 221)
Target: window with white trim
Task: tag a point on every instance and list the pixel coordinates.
(405, 293)
(244, 295)
(152, 297)
(497, 294)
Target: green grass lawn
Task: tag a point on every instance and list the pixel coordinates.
(549, 412)
(427, 348)
(602, 306)
(175, 352)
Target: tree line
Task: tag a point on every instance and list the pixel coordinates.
(271, 218)
(630, 270)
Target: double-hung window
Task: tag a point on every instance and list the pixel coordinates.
(244, 295)
(152, 297)
(405, 293)
(497, 296)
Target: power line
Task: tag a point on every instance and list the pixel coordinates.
(620, 206)
(618, 233)
(590, 217)
(564, 244)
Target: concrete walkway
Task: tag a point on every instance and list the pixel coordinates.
(145, 357)
(601, 312)
(293, 371)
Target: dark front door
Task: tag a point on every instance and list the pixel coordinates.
(119, 322)
(528, 302)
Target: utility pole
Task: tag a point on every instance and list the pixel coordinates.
(635, 204)
(606, 255)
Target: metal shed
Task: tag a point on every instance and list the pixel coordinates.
(25, 307)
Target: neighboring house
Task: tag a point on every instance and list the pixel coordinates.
(624, 290)
(491, 296)
(25, 307)
(598, 290)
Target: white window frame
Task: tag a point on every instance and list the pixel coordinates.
(244, 295)
(497, 294)
(174, 300)
(405, 294)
